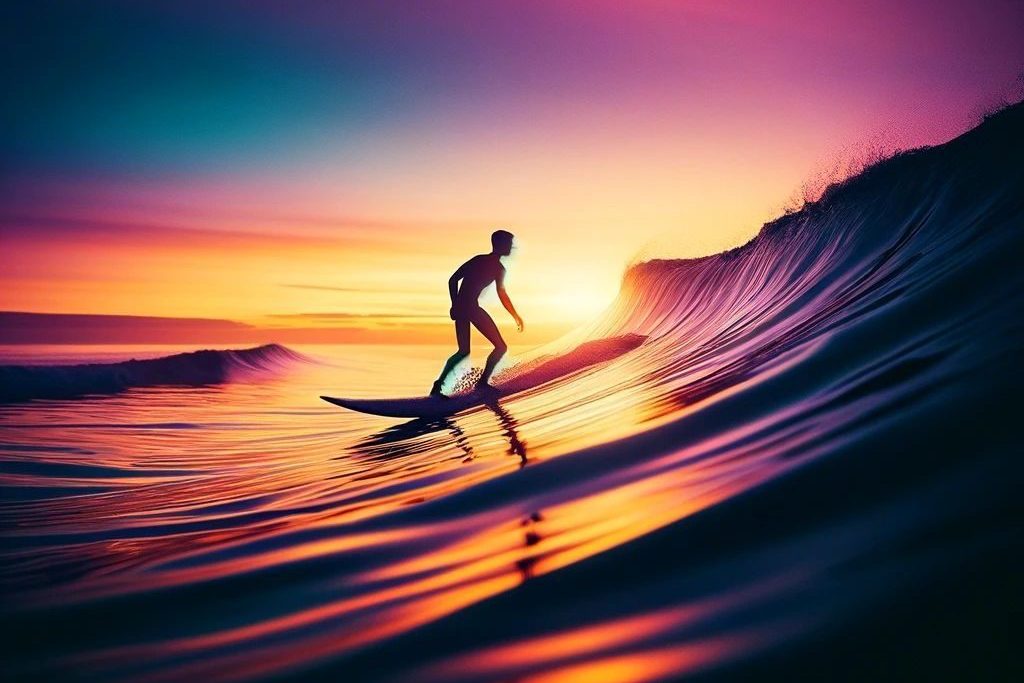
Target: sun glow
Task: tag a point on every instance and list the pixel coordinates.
(355, 182)
(579, 303)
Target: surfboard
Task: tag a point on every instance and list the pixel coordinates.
(426, 406)
(547, 369)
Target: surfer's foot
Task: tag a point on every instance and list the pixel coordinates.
(436, 390)
(485, 387)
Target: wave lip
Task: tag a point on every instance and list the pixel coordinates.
(195, 368)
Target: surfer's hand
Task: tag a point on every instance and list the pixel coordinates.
(451, 313)
(519, 324)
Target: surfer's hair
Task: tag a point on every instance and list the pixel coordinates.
(501, 237)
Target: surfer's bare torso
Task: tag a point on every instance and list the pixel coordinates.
(478, 273)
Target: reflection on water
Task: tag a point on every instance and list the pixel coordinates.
(531, 537)
(153, 491)
(351, 528)
(402, 440)
(508, 423)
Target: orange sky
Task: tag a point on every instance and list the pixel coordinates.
(311, 170)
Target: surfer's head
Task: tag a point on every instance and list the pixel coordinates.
(501, 242)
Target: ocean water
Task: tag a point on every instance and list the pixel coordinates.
(798, 460)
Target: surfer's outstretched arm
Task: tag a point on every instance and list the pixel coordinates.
(507, 302)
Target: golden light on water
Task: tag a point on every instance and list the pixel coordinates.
(328, 483)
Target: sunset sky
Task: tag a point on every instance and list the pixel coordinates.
(309, 165)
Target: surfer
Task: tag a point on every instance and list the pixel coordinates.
(476, 274)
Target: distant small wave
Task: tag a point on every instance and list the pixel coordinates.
(196, 368)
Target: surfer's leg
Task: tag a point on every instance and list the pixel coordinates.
(483, 322)
(462, 336)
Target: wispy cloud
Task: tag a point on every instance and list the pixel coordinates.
(359, 290)
(355, 316)
(326, 288)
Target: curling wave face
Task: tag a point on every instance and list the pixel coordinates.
(800, 463)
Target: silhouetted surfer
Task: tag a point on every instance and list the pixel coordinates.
(476, 274)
